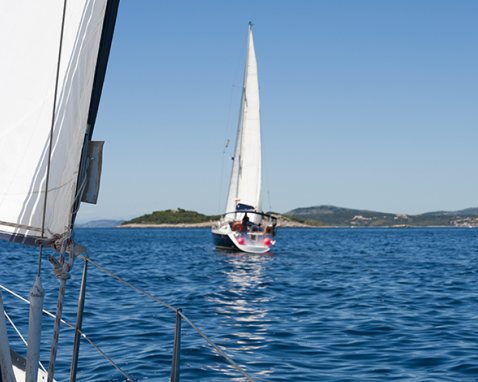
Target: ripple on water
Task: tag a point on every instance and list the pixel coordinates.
(327, 305)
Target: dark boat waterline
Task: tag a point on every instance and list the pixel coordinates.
(223, 242)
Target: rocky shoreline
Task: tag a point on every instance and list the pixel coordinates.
(179, 225)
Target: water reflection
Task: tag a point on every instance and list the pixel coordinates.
(247, 270)
(244, 300)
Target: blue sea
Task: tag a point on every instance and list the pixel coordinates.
(325, 305)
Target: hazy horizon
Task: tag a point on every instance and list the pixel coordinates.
(80, 220)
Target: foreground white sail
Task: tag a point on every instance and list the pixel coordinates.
(30, 39)
(54, 56)
(244, 226)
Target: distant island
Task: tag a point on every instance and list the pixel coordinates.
(171, 218)
(317, 216)
(331, 216)
(102, 223)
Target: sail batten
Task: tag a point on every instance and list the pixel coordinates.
(27, 87)
(246, 176)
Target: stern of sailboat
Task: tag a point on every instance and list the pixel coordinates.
(251, 231)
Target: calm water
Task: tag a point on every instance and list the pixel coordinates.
(327, 305)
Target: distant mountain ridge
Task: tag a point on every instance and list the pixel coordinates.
(318, 216)
(326, 215)
(102, 223)
(465, 212)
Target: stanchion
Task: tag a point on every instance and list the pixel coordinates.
(79, 321)
(176, 349)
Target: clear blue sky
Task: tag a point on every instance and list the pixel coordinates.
(365, 104)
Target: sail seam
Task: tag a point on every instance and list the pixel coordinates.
(23, 226)
(43, 191)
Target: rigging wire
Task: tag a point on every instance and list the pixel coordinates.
(16, 330)
(217, 348)
(50, 145)
(123, 281)
(144, 292)
(45, 312)
(21, 336)
(71, 326)
(221, 178)
(107, 357)
(174, 309)
(229, 128)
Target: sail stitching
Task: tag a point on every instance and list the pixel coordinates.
(23, 226)
(34, 192)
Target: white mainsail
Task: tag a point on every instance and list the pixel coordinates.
(30, 40)
(246, 177)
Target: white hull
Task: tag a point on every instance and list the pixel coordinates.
(249, 238)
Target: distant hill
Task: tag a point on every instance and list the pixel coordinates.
(346, 217)
(104, 223)
(465, 212)
(319, 216)
(177, 216)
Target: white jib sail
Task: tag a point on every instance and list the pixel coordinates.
(29, 40)
(246, 177)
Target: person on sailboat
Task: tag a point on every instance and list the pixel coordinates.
(245, 222)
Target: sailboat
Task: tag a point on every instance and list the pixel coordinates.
(54, 62)
(244, 226)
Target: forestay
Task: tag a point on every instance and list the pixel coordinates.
(30, 41)
(245, 184)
